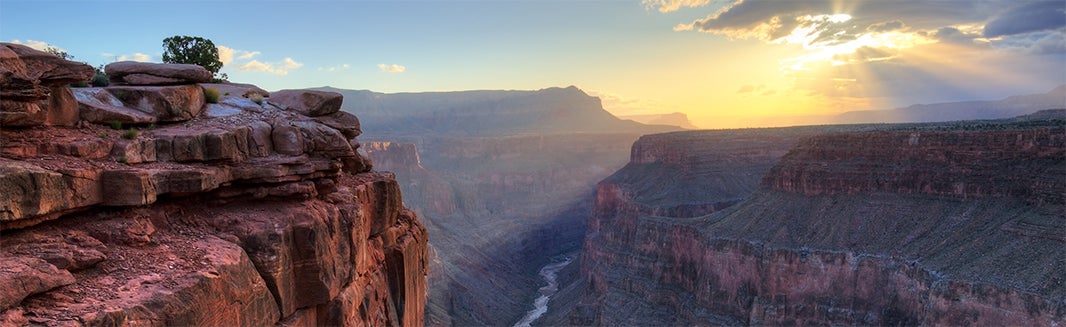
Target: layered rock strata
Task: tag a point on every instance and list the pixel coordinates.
(498, 208)
(256, 215)
(939, 224)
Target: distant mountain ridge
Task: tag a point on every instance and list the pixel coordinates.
(486, 113)
(672, 119)
(966, 110)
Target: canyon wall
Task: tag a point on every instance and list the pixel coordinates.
(189, 210)
(498, 209)
(949, 223)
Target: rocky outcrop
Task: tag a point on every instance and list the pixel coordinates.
(899, 225)
(32, 87)
(147, 73)
(262, 217)
(309, 103)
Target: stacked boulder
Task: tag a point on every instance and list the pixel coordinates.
(147, 193)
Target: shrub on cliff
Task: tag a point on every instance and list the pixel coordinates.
(256, 97)
(211, 95)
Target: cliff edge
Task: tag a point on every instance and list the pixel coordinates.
(163, 200)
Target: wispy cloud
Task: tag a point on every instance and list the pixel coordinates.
(137, 56)
(665, 6)
(228, 55)
(246, 61)
(1028, 17)
(281, 68)
(335, 68)
(393, 68)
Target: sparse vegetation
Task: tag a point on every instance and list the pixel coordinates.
(59, 53)
(100, 79)
(211, 95)
(102, 135)
(115, 125)
(151, 126)
(130, 134)
(123, 160)
(257, 98)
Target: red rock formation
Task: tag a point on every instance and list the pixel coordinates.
(261, 217)
(32, 87)
(858, 228)
(146, 73)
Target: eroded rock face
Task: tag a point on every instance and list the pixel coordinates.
(147, 73)
(33, 88)
(848, 228)
(201, 220)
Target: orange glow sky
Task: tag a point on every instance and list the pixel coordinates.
(725, 63)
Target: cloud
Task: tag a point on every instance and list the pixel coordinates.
(279, 68)
(1028, 17)
(248, 55)
(335, 68)
(39, 45)
(245, 60)
(1036, 43)
(886, 26)
(225, 54)
(393, 68)
(666, 6)
(135, 57)
(910, 51)
(228, 55)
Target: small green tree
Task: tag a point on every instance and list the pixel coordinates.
(191, 50)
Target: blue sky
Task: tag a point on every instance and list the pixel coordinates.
(725, 63)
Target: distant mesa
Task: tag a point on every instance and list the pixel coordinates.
(1009, 107)
(671, 119)
(486, 113)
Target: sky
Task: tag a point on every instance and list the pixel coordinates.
(725, 63)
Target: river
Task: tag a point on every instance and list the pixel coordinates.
(540, 305)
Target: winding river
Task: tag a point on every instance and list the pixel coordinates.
(540, 305)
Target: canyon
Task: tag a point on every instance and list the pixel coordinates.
(159, 200)
(954, 223)
(503, 181)
(149, 202)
